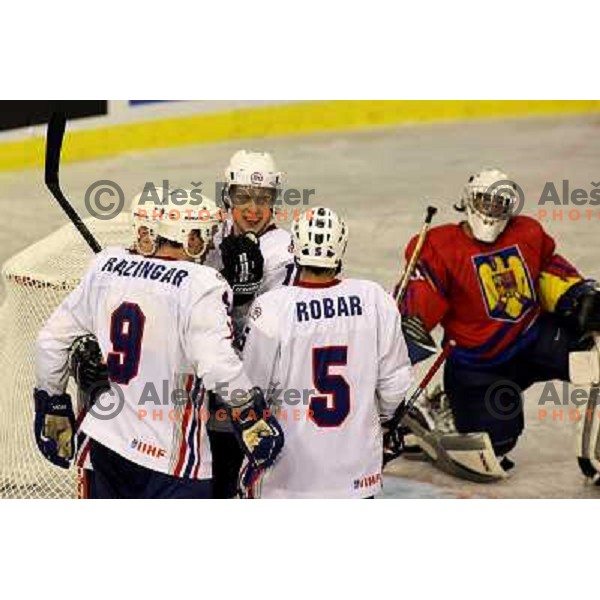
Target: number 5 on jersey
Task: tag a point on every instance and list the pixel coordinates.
(332, 409)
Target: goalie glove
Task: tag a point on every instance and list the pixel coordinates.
(54, 427)
(243, 266)
(257, 430)
(580, 306)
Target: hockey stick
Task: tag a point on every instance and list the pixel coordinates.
(54, 140)
(412, 263)
(413, 327)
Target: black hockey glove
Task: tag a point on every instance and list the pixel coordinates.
(393, 440)
(88, 368)
(54, 427)
(580, 306)
(243, 266)
(257, 430)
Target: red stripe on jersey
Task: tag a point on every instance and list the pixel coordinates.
(83, 454)
(199, 437)
(183, 446)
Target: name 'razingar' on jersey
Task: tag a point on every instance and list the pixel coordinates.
(144, 269)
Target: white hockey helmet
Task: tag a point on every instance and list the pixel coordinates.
(319, 238)
(146, 211)
(490, 199)
(252, 169)
(183, 216)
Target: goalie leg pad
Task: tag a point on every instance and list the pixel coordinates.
(585, 371)
(468, 456)
(588, 436)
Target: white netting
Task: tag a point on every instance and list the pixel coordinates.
(36, 280)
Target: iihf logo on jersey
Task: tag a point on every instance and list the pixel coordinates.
(505, 284)
(367, 481)
(148, 449)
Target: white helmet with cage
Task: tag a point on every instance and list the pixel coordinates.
(490, 199)
(320, 238)
(251, 169)
(146, 211)
(187, 215)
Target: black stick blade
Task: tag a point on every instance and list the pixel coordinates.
(54, 139)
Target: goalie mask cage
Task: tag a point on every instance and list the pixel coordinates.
(35, 282)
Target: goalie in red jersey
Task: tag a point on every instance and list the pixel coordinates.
(516, 309)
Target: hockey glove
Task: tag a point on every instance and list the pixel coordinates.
(88, 368)
(580, 306)
(54, 427)
(393, 440)
(243, 266)
(257, 430)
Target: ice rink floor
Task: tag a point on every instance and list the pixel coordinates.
(381, 180)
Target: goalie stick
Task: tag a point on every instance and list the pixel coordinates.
(54, 139)
(412, 263)
(413, 327)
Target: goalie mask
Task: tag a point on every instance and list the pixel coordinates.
(320, 237)
(490, 199)
(191, 222)
(146, 211)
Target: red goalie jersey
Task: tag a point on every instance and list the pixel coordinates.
(487, 297)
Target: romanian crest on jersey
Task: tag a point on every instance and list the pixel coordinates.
(505, 284)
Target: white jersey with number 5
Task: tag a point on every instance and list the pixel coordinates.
(163, 327)
(334, 363)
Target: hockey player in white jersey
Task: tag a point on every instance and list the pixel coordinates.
(331, 357)
(251, 189)
(255, 256)
(157, 319)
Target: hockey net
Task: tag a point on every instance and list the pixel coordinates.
(35, 282)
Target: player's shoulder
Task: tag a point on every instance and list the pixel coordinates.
(203, 277)
(354, 283)
(371, 290)
(525, 226)
(276, 241)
